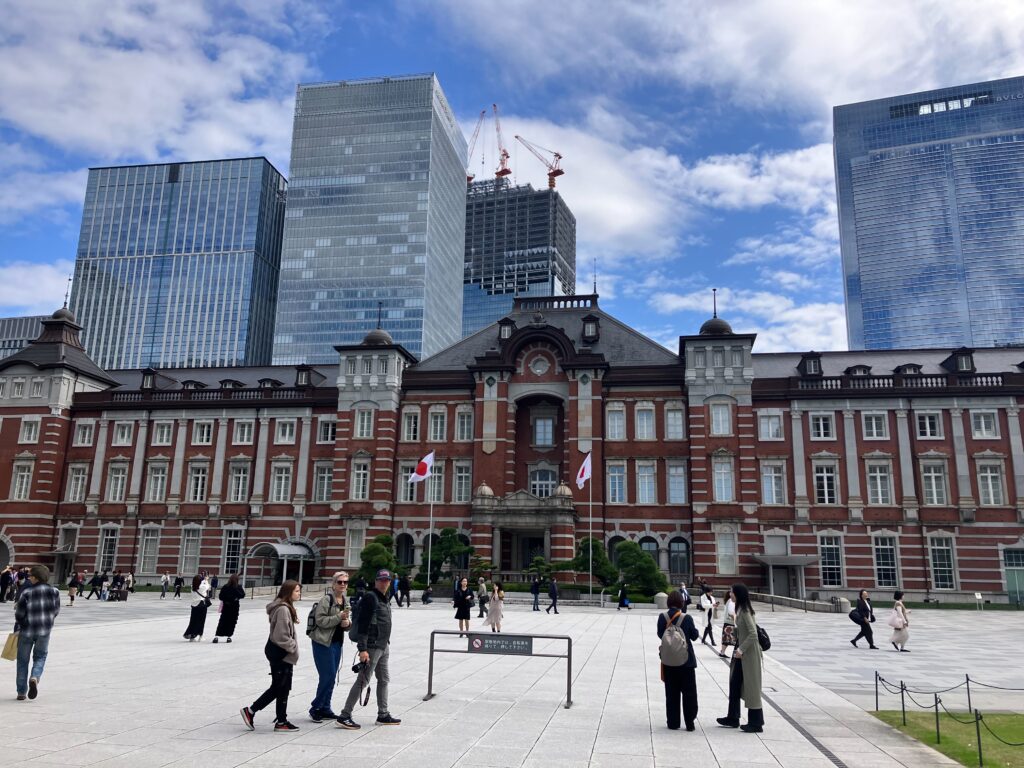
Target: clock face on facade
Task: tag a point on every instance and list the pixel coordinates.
(539, 365)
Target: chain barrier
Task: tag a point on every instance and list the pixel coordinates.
(996, 736)
(886, 683)
(954, 717)
(918, 703)
(997, 687)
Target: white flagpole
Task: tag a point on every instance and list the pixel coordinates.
(430, 529)
(591, 547)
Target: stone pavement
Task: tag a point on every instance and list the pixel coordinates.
(122, 688)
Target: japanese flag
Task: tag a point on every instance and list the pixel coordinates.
(422, 471)
(584, 474)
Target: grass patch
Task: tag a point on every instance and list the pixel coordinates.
(960, 742)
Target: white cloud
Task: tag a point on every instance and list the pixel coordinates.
(46, 193)
(33, 289)
(781, 324)
(127, 79)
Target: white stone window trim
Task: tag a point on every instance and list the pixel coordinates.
(779, 463)
(285, 431)
(80, 424)
(771, 413)
(885, 533)
(944, 465)
(675, 406)
(951, 537)
(202, 432)
(938, 419)
(830, 417)
(29, 435)
(619, 408)
(122, 433)
(158, 428)
(886, 464)
(834, 464)
(1000, 465)
(462, 413)
(994, 413)
(623, 465)
(831, 533)
(882, 417)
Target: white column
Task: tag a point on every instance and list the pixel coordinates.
(98, 463)
(177, 468)
(138, 466)
(852, 460)
(799, 466)
(963, 473)
(260, 470)
(217, 482)
(910, 502)
(1016, 454)
(302, 471)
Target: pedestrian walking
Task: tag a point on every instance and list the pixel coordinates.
(707, 607)
(6, 579)
(745, 668)
(165, 582)
(179, 582)
(329, 619)
(863, 615)
(96, 585)
(496, 607)
(899, 620)
(34, 615)
(403, 591)
(535, 591)
(373, 641)
(483, 598)
(74, 584)
(462, 602)
(282, 651)
(129, 582)
(214, 582)
(679, 674)
(623, 598)
(553, 594)
(728, 624)
(394, 591)
(686, 595)
(197, 619)
(231, 595)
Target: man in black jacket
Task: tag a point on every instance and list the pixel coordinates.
(535, 591)
(96, 584)
(373, 639)
(867, 615)
(553, 594)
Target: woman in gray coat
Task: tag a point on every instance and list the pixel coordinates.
(745, 671)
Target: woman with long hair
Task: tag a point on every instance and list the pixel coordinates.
(707, 607)
(745, 669)
(197, 618)
(680, 681)
(899, 620)
(462, 601)
(497, 607)
(282, 651)
(231, 594)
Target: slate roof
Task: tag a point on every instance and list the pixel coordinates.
(620, 344)
(174, 378)
(58, 346)
(780, 365)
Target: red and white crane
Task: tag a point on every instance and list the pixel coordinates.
(553, 165)
(472, 145)
(503, 155)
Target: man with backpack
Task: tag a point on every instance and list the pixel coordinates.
(371, 632)
(678, 663)
(325, 627)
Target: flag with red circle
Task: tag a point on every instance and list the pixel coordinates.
(584, 474)
(422, 471)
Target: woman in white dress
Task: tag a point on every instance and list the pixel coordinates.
(899, 621)
(729, 624)
(496, 607)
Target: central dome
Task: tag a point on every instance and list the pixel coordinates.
(716, 326)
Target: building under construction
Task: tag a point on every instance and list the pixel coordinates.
(519, 242)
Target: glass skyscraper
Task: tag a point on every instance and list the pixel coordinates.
(931, 217)
(376, 217)
(177, 263)
(519, 242)
(17, 332)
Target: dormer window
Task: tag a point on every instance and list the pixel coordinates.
(700, 359)
(591, 328)
(350, 366)
(961, 361)
(269, 383)
(909, 370)
(147, 380)
(858, 370)
(302, 379)
(192, 384)
(231, 384)
(505, 328)
(964, 363)
(810, 364)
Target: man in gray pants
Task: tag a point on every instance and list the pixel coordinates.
(372, 630)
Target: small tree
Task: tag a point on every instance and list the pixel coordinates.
(540, 568)
(604, 571)
(639, 570)
(386, 540)
(374, 557)
(446, 549)
(479, 567)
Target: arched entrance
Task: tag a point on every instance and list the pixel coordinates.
(6, 552)
(269, 563)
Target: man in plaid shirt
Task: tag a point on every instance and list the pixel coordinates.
(37, 608)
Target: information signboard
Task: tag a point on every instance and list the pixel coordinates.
(517, 645)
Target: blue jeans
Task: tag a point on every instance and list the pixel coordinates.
(327, 659)
(36, 648)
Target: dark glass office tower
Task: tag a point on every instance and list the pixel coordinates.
(177, 263)
(16, 333)
(519, 242)
(376, 217)
(931, 217)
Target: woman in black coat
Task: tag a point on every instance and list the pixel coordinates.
(680, 681)
(462, 601)
(623, 598)
(230, 595)
(867, 615)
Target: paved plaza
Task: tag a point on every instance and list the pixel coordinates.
(122, 688)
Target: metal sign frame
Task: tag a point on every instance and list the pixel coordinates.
(451, 633)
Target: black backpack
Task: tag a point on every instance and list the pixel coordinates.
(367, 603)
(311, 619)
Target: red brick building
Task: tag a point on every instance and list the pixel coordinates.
(797, 473)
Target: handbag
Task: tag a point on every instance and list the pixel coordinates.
(10, 651)
(762, 639)
(895, 619)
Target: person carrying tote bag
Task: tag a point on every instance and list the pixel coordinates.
(745, 668)
(899, 621)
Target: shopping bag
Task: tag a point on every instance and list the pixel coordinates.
(11, 647)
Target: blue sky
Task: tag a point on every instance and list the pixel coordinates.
(696, 135)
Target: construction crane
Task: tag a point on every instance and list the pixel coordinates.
(554, 169)
(503, 155)
(472, 144)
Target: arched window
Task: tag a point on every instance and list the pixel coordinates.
(543, 482)
(404, 549)
(650, 546)
(613, 554)
(679, 557)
